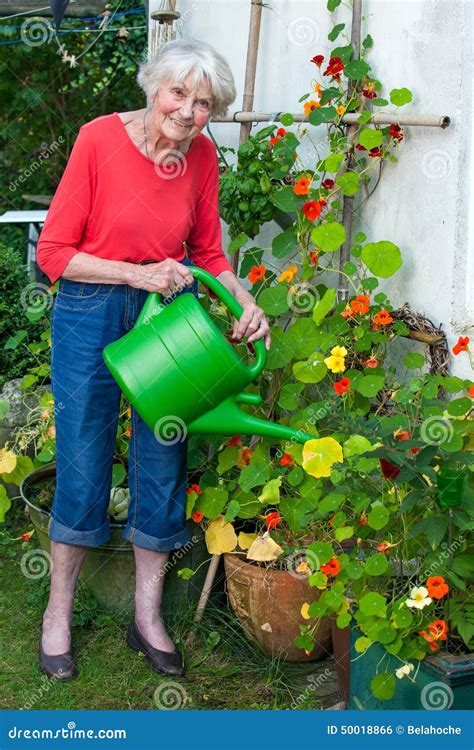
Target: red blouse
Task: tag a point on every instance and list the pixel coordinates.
(115, 203)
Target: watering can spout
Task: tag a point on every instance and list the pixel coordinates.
(227, 418)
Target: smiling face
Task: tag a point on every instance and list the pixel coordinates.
(181, 110)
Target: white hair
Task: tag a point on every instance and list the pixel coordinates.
(177, 59)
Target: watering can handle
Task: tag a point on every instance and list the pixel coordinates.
(236, 309)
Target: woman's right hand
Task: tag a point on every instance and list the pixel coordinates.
(165, 277)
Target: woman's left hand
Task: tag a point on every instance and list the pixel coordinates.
(253, 325)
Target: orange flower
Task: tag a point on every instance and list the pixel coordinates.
(383, 318)
(470, 390)
(317, 88)
(289, 274)
(341, 386)
(309, 106)
(51, 431)
(302, 186)
(312, 209)
(272, 520)
(331, 568)
(437, 631)
(194, 488)
(286, 460)
(340, 109)
(360, 304)
(257, 273)
(27, 535)
(45, 414)
(313, 256)
(129, 412)
(371, 362)
(437, 588)
(128, 432)
(348, 313)
(384, 546)
(236, 440)
(197, 516)
(363, 520)
(462, 345)
(402, 434)
(244, 457)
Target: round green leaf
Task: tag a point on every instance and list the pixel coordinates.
(356, 69)
(309, 373)
(414, 360)
(376, 565)
(289, 396)
(373, 603)
(287, 119)
(356, 444)
(378, 518)
(382, 258)
(459, 406)
(371, 138)
(399, 97)
(369, 385)
(383, 686)
(362, 644)
(403, 618)
(348, 182)
(332, 163)
(274, 301)
(280, 353)
(329, 236)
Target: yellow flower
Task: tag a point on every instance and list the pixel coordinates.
(309, 106)
(305, 611)
(336, 362)
(289, 274)
(317, 88)
(340, 110)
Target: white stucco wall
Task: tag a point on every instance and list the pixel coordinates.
(425, 203)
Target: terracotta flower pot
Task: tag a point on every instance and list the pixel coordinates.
(268, 604)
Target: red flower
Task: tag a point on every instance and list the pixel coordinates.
(437, 631)
(317, 60)
(331, 568)
(194, 488)
(403, 435)
(360, 147)
(244, 457)
(197, 516)
(281, 132)
(257, 273)
(334, 68)
(27, 535)
(470, 390)
(348, 313)
(371, 362)
(272, 520)
(236, 440)
(313, 256)
(286, 460)
(312, 210)
(375, 152)
(396, 132)
(390, 471)
(462, 345)
(341, 386)
(360, 304)
(328, 184)
(383, 546)
(274, 140)
(368, 90)
(302, 186)
(322, 202)
(415, 450)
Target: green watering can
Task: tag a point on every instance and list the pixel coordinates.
(182, 375)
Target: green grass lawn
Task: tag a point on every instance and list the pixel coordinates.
(224, 670)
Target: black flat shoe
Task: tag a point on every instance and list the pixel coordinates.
(60, 666)
(165, 662)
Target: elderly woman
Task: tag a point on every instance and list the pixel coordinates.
(136, 205)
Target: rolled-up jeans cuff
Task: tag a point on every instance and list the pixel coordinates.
(95, 538)
(139, 539)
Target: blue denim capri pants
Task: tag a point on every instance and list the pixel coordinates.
(86, 317)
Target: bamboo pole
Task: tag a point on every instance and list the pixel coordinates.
(351, 132)
(424, 121)
(249, 86)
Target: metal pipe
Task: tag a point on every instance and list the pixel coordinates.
(430, 121)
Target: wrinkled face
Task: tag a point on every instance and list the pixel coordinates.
(181, 110)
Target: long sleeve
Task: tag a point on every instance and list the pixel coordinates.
(70, 209)
(204, 242)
